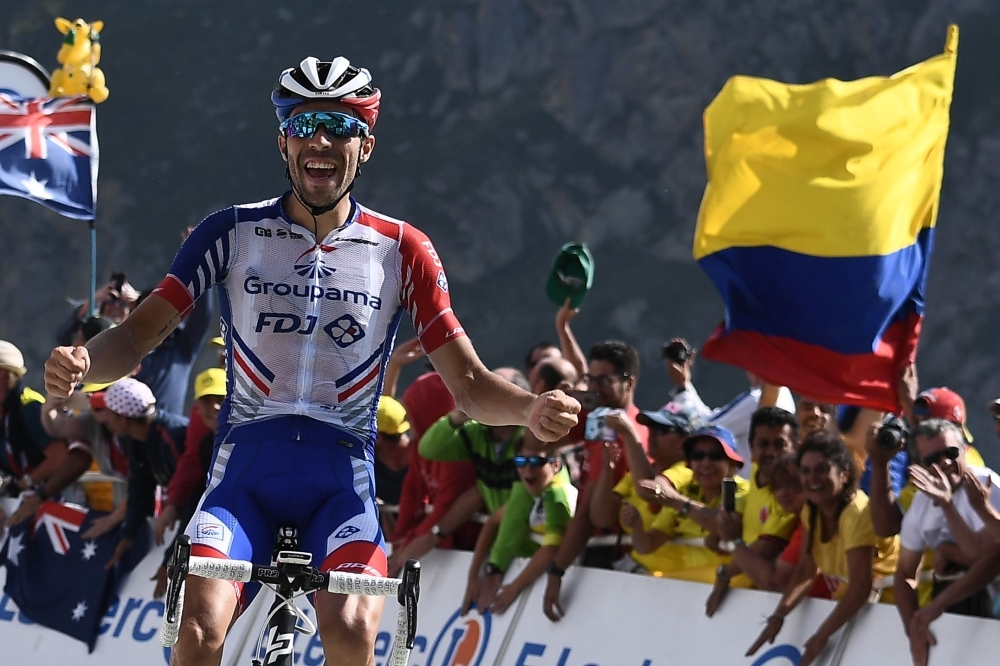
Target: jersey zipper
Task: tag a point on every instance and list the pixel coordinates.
(308, 350)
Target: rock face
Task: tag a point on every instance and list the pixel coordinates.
(509, 127)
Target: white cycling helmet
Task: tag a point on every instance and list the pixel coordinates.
(336, 80)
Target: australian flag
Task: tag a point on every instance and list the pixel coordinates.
(57, 578)
(49, 152)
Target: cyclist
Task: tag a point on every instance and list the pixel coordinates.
(313, 286)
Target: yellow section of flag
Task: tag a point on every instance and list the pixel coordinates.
(829, 169)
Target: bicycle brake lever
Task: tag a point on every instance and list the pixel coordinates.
(177, 571)
(408, 596)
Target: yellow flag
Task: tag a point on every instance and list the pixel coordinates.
(829, 169)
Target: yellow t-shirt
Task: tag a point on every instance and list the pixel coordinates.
(763, 516)
(686, 561)
(679, 474)
(854, 530)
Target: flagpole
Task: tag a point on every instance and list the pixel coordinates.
(93, 263)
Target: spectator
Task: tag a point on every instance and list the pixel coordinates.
(765, 573)
(554, 372)
(167, 369)
(993, 409)
(839, 542)
(490, 449)
(943, 403)
(90, 327)
(91, 447)
(190, 477)
(153, 440)
(984, 570)
(690, 510)
(543, 511)
(621, 502)
(942, 519)
(114, 302)
(735, 415)
(392, 452)
(29, 455)
(766, 526)
(209, 394)
(613, 377)
(538, 353)
(437, 498)
(569, 347)
(814, 416)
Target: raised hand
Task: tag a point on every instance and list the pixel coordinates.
(933, 483)
(553, 415)
(66, 368)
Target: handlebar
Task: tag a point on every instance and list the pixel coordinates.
(298, 577)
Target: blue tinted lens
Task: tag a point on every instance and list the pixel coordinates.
(533, 461)
(340, 125)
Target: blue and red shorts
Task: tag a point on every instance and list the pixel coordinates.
(256, 487)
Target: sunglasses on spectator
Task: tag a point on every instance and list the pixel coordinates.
(532, 461)
(714, 456)
(667, 430)
(604, 381)
(951, 453)
(340, 125)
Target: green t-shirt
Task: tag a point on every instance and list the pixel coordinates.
(492, 461)
(525, 515)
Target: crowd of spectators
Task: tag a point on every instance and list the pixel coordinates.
(830, 501)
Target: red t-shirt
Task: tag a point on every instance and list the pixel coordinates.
(790, 555)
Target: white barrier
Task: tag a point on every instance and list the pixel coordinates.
(612, 619)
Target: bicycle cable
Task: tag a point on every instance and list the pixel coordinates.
(308, 630)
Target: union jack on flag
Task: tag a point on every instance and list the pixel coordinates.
(49, 152)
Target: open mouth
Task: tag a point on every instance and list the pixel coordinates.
(321, 170)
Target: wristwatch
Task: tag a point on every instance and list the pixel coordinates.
(554, 570)
(438, 533)
(490, 569)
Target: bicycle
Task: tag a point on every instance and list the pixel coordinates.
(290, 576)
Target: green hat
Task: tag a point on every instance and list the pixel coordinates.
(572, 275)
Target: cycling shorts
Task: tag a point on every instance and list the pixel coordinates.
(317, 487)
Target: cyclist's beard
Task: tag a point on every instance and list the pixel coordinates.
(322, 196)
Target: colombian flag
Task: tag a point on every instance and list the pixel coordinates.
(817, 225)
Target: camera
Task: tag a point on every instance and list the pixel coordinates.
(588, 399)
(595, 430)
(893, 434)
(677, 351)
(118, 281)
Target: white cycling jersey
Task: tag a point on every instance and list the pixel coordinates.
(309, 326)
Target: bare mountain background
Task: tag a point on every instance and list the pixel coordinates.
(508, 128)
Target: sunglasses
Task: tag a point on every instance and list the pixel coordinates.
(951, 453)
(714, 456)
(532, 461)
(340, 125)
(668, 430)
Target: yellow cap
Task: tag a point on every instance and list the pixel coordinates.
(391, 418)
(95, 387)
(210, 382)
(218, 341)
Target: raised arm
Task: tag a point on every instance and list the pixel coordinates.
(567, 341)
(114, 353)
(492, 400)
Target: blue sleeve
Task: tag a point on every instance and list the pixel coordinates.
(202, 262)
(898, 471)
